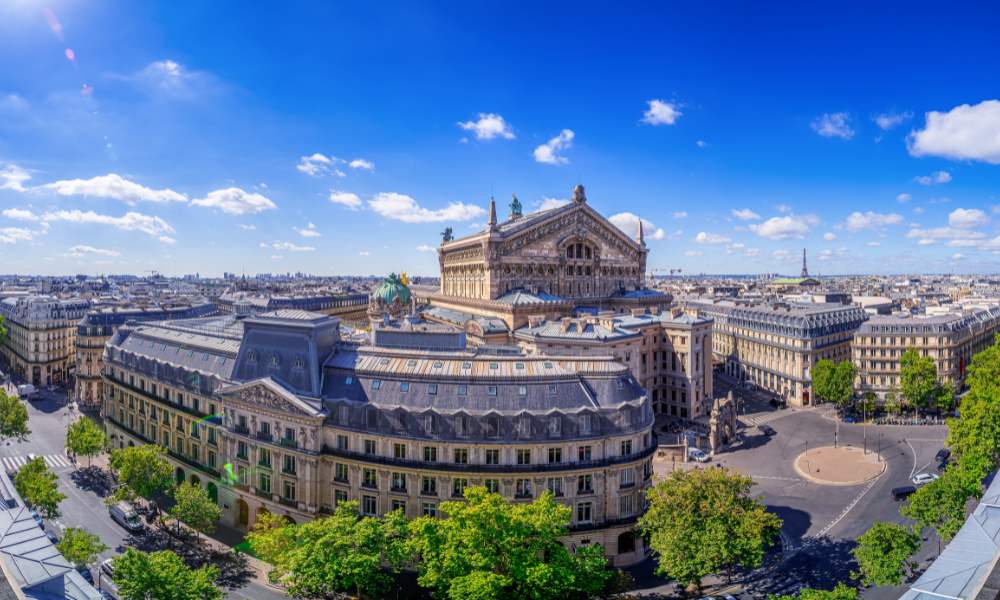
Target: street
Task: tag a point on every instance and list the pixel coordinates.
(48, 417)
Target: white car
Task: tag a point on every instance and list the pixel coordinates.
(697, 455)
(922, 478)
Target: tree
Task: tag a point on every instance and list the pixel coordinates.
(344, 552)
(86, 438)
(13, 418)
(79, 546)
(883, 553)
(193, 507)
(834, 382)
(841, 592)
(142, 472)
(702, 522)
(940, 505)
(975, 435)
(163, 576)
(488, 548)
(918, 379)
(891, 403)
(39, 488)
(868, 404)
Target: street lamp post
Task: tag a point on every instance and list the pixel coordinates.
(864, 425)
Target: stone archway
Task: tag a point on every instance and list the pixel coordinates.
(179, 475)
(626, 542)
(195, 480)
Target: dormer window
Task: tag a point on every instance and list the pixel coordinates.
(348, 380)
(274, 360)
(494, 366)
(437, 364)
(252, 356)
(467, 365)
(491, 390)
(519, 366)
(377, 384)
(404, 387)
(463, 390)
(298, 364)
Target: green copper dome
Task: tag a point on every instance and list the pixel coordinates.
(392, 289)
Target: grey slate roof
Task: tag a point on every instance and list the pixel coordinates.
(967, 321)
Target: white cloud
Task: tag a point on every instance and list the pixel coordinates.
(966, 218)
(246, 227)
(745, 214)
(115, 187)
(944, 233)
(13, 103)
(890, 119)
(488, 126)
(317, 165)
(829, 236)
(704, 237)
(235, 201)
(783, 208)
(926, 242)
(834, 125)
(81, 250)
(308, 231)
(12, 177)
(701, 143)
(903, 198)
(550, 203)
(548, 152)
(933, 178)
(858, 221)
(751, 252)
(20, 214)
(401, 207)
(426, 248)
(781, 254)
(957, 256)
(348, 199)
(629, 224)
(693, 253)
(166, 239)
(360, 163)
(13, 235)
(681, 214)
(918, 210)
(290, 247)
(364, 253)
(787, 227)
(171, 79)
(873, 244)
(130, 221)
(966, 132)
(276, 257)
(660, 113)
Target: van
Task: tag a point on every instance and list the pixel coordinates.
(943, 455)
(125, 515)
(902, 492)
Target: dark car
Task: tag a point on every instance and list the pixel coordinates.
(776, 403)
(850, 419)
(766, 430)
(84, 572)
(942, 455)
(902, 492)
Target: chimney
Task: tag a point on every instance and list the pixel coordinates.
(492, 224)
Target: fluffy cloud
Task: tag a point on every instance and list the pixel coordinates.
(12, 177)
(426, 248)
(13, 235)
(957, 256)
(903, 198)
(629, 223)
(965, 218)
(926, 242)
(681, 214)
(693, 253)
(360, 163)
(364, 253)
(711, 238)
(290, 247)
(550, 203)
(826, 255)
(401, 207)
(944, 233)
(660, 113)
(347, 199)
(745, 214)
(246, 227)
(488, 126)
(20, 214)
(890, 119)
(751, 252)
(548, 152)
(787, 227)
(115, 187)
(966, 132)
(318, 165)
(167, 78)
(858, 221)
(873, 244)
(834, 125)
(701, 143)
(933, 178)
(130, 221)
(829, 236)
(235, 201)
(308, 231)
(81, 251)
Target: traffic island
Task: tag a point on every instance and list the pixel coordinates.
(843, 465)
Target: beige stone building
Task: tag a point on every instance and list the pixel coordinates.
(775, 345)
(41, 332)
(950, 339)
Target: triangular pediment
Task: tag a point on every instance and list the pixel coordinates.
(269, 394)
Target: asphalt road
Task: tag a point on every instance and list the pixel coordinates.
(48, 418)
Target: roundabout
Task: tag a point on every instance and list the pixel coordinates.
(842, 465)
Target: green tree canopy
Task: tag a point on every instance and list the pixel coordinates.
(85, 438)
(79, 546)
(142, 472)
(883, 553)
(975, 436)
(39, 487)
(193, 507)
(918, 379)
(488, 548)
(704, 521)
(940, 505)
(834, 382)
(342, 553)
(841, 592)
(163, 576)
(13, 418)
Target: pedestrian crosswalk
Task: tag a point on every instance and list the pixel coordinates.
(53, 461)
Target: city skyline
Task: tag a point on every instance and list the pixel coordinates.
(340, 140)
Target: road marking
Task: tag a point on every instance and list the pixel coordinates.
(13, 463)
(775, 477)
(914, 451)
(847, 509)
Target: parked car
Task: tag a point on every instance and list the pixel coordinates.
(84, 572)
(902, 492)
(52, 537)
(37, 518)
(697, 455)
(767, 430)
(125, 515)
(922, 478)
(108, 567)
(942, 455)
(849, 419)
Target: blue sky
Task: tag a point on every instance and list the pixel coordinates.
(342, 138)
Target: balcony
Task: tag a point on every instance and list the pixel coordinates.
(264, 463)
(242, 430)
(288, 470)
(290, 502)
(262, 493)
(287, 442)
(264, 436)
(399, 489)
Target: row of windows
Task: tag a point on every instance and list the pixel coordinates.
(491, 456)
